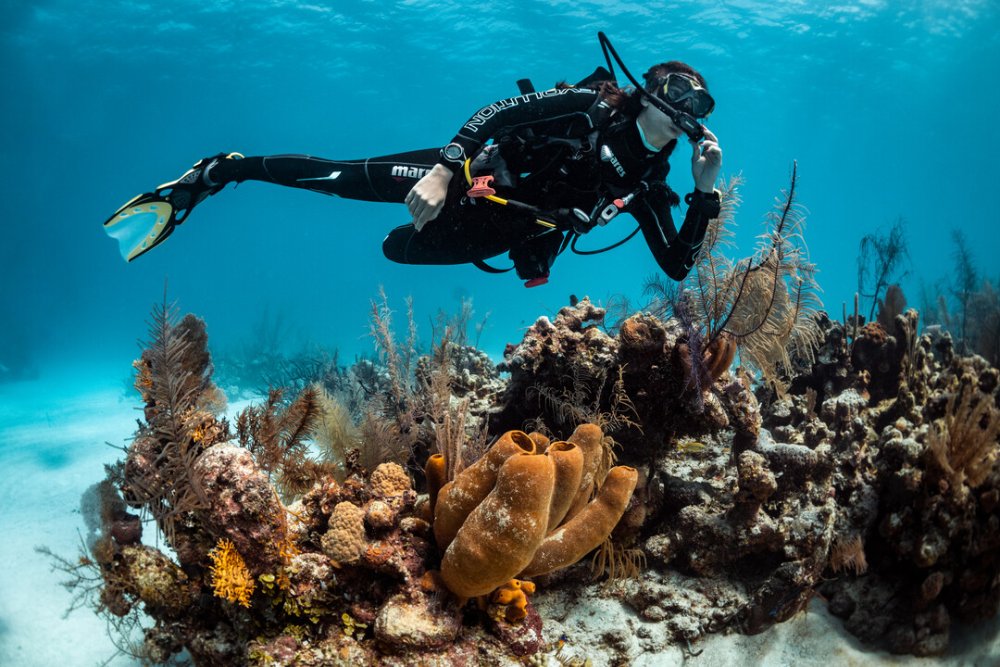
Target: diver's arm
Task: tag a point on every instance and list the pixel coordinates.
(675, 252)
(426, 199)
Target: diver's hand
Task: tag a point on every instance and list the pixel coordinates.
(706, 162)
(427, 197)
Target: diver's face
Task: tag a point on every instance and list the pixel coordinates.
(659, 122)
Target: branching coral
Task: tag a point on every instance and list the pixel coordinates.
(173, 377)
(963, 444)
(335, 434)
(231, 579)
(277, 435)
(848, 553)
(764, 305)
(879, 261)
(398, 359)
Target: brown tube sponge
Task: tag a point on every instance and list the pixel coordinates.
(719, 355)
(568, 461)
(541, 441)
(587, 529)
(500, 536)
(435, 473)
(588, 438)
(460, 496)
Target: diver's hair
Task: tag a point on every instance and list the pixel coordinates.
(657, 72)
(627, 100)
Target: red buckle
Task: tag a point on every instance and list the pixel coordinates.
(535, 282)
(619, 204)
(481, 187)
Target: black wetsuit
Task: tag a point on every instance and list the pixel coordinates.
(557, 150)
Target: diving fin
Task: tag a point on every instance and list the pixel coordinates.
(140, 225)
(148, 219)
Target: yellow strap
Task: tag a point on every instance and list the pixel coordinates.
(499, 200)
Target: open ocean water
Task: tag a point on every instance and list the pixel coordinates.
(890, 109)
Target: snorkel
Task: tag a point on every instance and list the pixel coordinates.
(685, 121)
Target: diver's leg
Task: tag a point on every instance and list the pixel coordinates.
(388, 178)
(463, 232)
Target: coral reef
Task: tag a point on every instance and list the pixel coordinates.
(878, 465)
(858, 461)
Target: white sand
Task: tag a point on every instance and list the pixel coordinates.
(52, 435)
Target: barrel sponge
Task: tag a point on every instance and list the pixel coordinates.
(459, 497)
(344, 541)
(389, 479)
(591, 526)
(499, 537)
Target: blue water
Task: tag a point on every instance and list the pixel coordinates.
(888, 107)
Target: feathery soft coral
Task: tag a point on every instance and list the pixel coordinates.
(231, 578)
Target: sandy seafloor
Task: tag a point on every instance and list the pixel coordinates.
(52, 447)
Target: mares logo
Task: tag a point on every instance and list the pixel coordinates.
(608, 156)
(402, 171)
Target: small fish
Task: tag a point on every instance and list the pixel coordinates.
(691, 446)
(573, 300)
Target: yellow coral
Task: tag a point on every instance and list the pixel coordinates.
(231, 578)
(287, 549)
(352, 627)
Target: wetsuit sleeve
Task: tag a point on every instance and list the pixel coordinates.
(521, 110)
(674, 251)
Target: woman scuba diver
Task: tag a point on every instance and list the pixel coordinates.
(561, 161)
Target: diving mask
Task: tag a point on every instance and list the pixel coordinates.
(684, 93)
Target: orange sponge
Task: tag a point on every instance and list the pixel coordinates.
(460, 496)
(588, 528)
(500, 536)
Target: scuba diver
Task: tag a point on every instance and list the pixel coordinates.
(525, 175)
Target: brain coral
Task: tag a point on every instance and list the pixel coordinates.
(344, 540)
(389, 479)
